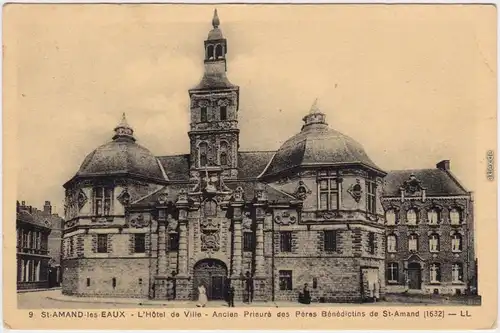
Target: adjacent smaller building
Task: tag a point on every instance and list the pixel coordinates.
(38, 249)
(429, 232)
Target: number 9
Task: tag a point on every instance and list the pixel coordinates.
(31, 314)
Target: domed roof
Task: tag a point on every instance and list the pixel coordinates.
(122, 156)
(318, 145)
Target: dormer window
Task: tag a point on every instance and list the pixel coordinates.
(103, 197)
(455, 216)
(411, 217)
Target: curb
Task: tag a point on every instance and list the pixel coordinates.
(96, 300)
(22, 291)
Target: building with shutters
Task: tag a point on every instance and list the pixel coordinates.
(39, 238)
(265, 222)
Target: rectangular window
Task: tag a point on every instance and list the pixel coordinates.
(286, 241)
(71, 245)
(435, 273)
(330, 240)
(457, 273)
(102, 201)
(174, 241)
(203, 115)
(328, 191)
(88, 282)
(140, 243)
(285, 280)
(371, 242)
(371, 202)
(392, 272)
(102, 243)
(248, 242)
(223, 113)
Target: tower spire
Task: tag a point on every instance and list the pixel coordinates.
(215, 20)
(123, 131)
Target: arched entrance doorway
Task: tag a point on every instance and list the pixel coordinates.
(212, 273)
(414, 275)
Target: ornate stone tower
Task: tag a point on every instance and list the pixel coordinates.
(214, 133)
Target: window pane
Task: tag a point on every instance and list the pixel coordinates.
(323, 199)
(411, 217)
(333, 200)
(330, 241)
(223, 113)
(432, 216)
(323, 184)
(390, 217)
(333, 183)
(455, 216)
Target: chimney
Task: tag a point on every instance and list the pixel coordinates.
(18, 206)
(444, 165)
(23, 204)
(47, 208)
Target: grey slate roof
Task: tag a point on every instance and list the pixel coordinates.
(121, 157)
(214, 81)
(437, 182)
(316, 145)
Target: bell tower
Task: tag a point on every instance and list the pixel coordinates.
(214, 133)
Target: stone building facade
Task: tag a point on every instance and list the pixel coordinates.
(265, 222)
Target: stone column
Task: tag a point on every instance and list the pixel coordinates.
(236, 256)
(259, 248)
(162, 254)
(183, 255)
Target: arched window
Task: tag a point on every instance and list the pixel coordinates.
(456, 243)
(457, 272)
(210, 52)
(203, 153)
(435, 273)
(218, 51)
(223, 153)
(433, 216)
(210, 208)
(411, 217)
(455, 216)
(434, 243)
(390, 217)
(392, 243)
(413, 242)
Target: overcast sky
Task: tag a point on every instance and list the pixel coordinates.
(408, 84)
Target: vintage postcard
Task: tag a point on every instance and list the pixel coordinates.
(244, 166)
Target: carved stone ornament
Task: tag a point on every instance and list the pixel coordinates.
(162, 198)
(238, 194)
(247, 224)
(224, 102)
(182, 196)
(209, 224)
(172, 223)
(124, 197)
(260, 193)
(356, 191)
(82, 199)
(210, 241)
(329, 215)
(302, 191)
(285, 218)
(138, 221)
(412, 185)
(71, 223)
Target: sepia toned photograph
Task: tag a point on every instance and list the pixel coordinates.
(335, 159)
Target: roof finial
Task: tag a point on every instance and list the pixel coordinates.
(215, 20)
(314, 107)
(123, 130)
